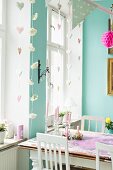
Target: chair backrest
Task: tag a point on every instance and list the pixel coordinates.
(98, 122)
(54, 149)
(103, 147)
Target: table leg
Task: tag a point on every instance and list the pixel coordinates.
(34, 164)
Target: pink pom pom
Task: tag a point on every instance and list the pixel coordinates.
(107, 39)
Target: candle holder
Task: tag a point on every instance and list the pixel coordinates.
(46, 123)
(56, 128)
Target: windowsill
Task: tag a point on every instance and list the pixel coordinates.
(8, 143)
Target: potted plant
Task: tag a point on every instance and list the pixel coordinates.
(109, 124)
(2, 132)
(61, 115)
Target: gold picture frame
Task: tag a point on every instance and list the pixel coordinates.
(110, 27)
(110, 76)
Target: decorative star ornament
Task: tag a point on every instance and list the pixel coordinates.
(33, 31)
(32, 1)
(32, 115)
(34, 98)
(34, 65)
(31, 83)
(31, 47)
(35, 16)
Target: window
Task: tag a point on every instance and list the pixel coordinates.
(56, 49)
(2, 54)
(64, 58)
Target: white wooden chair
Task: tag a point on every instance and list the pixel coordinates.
(98, 122)
(103, 147)
(51, 152)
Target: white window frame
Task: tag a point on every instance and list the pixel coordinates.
(2, 59)
(50, 46)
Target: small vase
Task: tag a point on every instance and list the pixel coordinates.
(110, 131)
(2, 137)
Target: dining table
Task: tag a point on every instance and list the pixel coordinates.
(81, 152)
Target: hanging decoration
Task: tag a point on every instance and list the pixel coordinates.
(35, 16)
(107, 39)
(33, 31)
(20, 29)
(32, 1)
(32, 116)
(31, 47)
(59, 16)
(31, 83)
(34, 65)
(69, 35)
(19, 98)
(34, 98)
(20, 5)
(19, 50)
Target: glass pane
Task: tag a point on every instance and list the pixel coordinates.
(1, 12)
(57, 29)
(56, 79)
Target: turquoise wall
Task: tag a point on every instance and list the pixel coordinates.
(95, 98)
(39, 42)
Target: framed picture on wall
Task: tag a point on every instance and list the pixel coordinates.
(110, 27)
(110, 77)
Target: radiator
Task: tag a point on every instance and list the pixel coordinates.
(8, 159)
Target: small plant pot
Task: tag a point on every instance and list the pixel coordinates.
(2, 137)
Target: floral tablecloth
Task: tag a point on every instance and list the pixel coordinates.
(87, 145)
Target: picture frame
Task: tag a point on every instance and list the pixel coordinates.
(110, 77)
(110, 27)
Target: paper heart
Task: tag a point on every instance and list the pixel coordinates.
(18, 98)
(19, 50)
(59, 26)
(20, 29)
(79, 40)
(20, 5)
(31, 82)
(20, 73)
(69, 66)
